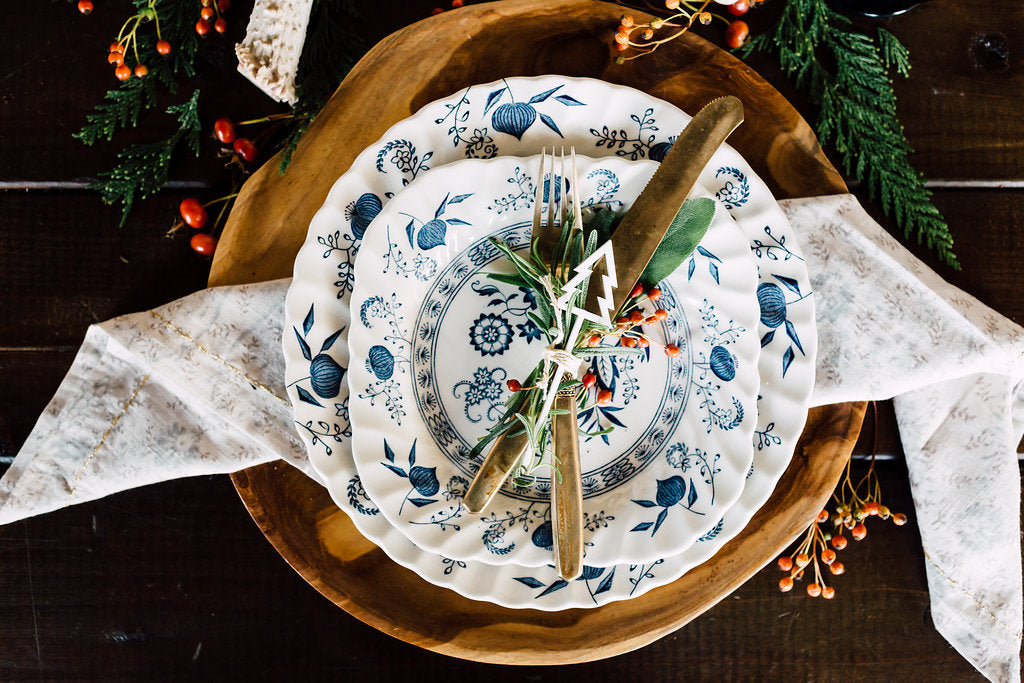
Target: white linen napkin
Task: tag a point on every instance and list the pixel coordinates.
(154, 396)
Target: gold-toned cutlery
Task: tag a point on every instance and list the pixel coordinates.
(616, 267)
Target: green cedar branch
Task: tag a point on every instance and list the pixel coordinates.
(142, 169)
(858, 110)
(120, 108)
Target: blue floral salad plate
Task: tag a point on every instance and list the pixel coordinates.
(433, 340)
(600, 119)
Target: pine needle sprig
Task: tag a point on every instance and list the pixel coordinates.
(142, 169)
(857, 110)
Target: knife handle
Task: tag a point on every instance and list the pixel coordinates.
(567, 488)
(499, 463)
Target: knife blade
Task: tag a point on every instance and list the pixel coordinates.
(642, 228)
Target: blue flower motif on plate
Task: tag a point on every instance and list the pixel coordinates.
(491, 334)
(403, 158)
(485, 390)
(736, 190)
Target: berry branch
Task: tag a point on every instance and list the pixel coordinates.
(854, 504)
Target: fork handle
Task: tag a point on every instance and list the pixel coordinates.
(567, 488)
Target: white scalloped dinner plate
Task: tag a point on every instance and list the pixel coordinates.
(599, 119)
(433, 339)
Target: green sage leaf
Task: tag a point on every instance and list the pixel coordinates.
(684, 234)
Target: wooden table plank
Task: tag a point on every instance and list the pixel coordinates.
(961, 106)
(64, 264)
(133, 584)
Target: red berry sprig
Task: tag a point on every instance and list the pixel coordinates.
(127, 39)
(680, 18)
(852, 510)
(211, 16)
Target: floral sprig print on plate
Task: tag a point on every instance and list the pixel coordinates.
(598, 581)
(680, 489)
(485, 390)
(508, 304)
(525, 517)
(431, 233)
(423, 485)
(714, 369)
(639, 145)
(515, 117)
(325, 374)
(382, 360)
(402, 156)
(773, 302)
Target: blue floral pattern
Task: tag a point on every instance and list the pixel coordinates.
(338, 239)
(492, 333)
(736, 190)
(484, 390)
(773, 303)
(402, 156)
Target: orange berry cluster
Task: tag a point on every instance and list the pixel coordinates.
(127, 39)
(455, 5)
(628, 334)
(683, 15)
(815, 546)
(193, 212)
(210, 16)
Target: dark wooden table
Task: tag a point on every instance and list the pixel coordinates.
(175, 581)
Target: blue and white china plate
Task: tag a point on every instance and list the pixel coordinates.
(433, 339)
(609, 120)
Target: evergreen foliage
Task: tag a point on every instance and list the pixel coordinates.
(846, 74)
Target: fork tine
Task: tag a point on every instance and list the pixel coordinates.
(538, 209)
(551, 191)
(577, 203)
(563, 186)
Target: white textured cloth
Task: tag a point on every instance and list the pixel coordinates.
(155, 396)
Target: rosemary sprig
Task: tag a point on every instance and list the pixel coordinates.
(142, 169)
(547, 275)
(846, 74)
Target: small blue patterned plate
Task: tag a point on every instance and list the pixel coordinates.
(433, 340)
(600, 119)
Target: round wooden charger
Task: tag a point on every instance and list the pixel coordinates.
(419, 64)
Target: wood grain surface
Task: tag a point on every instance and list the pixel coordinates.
(268, 224)
(175, 582)
(570, 37)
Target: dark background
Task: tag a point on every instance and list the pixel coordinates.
(175, 581)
